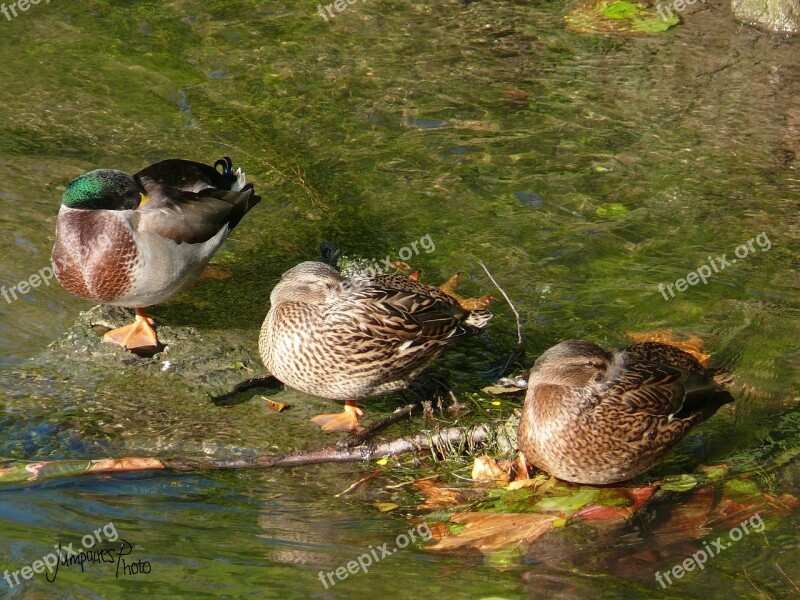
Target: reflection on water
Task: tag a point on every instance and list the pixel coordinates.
(586, 172)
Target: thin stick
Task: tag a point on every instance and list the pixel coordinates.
(438, 443)
(412, 482)
(747, 576)
(508, 300)
(359, 483)
(359, 438)
(787, 577)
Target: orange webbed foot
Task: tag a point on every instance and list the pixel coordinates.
(343, 421)
(138, 335)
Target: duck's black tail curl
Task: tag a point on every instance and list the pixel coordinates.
(330, 254)
(227, 166)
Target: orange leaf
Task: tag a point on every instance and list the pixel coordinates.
(488, 532)
(450, 286)
(437, 495)
(486, 469)
(276, 406)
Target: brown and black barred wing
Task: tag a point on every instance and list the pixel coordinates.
(663, 354)
(394, 306)
(676, 371)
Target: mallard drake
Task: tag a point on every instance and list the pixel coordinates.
(348, 339)
(597, 417)
(135, 241)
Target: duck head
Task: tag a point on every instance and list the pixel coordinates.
(104, 189)
(574, 363)
(309, 282)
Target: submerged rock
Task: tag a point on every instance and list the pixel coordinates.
(82, 398)
(779, 16)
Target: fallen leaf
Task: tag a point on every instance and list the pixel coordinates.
(606, 509)
(386, 506)
(490, 532)
(535, 483)
(568, 504)
(276, 406)
(450, 286)
(437, 495)
(486, 469)
(678, 483)
(714, 472)
(501, 390)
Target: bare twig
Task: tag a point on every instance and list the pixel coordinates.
(789, 579)
(412, 482)
(439, 444)
(359, 483)
(362, 436)
(747, 576)
(508, 300)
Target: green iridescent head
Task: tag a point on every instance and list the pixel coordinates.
(103, 189)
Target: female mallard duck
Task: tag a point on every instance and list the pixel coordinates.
(596, 417)
(135, 241)
(350, 339)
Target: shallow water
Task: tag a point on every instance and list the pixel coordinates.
(583, 170)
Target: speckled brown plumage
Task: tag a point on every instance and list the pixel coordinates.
(598, 417)
(356, 338)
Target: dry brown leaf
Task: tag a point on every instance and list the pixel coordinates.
(450, 288)
(691, 343)
(488, 532)
(276, 406)
(486, 469)
(436, 495)
(400, 265)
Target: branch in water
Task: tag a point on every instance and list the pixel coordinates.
(447, 441)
